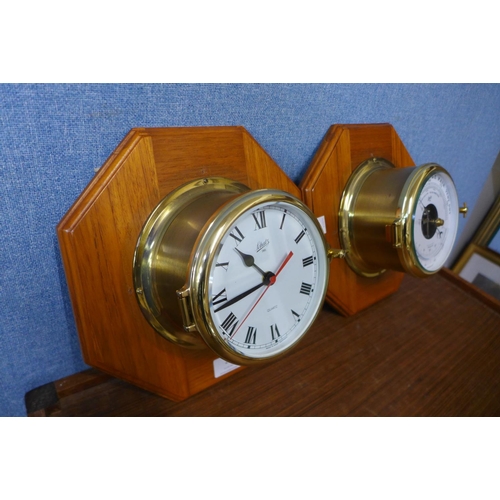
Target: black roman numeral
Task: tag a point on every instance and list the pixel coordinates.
(251, 335)
(224, 265)
(220, 297)
(275, 332)
(238, 238)
(229, 324)
(260, 219)
(296, 315)
(307, 261)
(305, 288)
(283, 220)
(300, 236)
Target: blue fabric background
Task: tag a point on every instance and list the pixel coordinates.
(52, 137)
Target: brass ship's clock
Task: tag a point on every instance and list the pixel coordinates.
(241, 271)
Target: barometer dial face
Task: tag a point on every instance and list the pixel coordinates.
(267, 280)
(435, 221)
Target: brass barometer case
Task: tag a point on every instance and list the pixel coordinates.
(404, 219)
(241, 271)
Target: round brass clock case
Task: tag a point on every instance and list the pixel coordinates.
(164, 248)
(388, 218)
(215, 263)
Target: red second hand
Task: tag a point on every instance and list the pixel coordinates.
(272, 282)
(288, 257)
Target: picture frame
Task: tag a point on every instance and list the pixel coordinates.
(489, 226)
(480, 266)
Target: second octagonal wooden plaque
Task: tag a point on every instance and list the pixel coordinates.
(343, 149)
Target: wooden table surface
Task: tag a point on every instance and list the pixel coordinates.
(431, 349)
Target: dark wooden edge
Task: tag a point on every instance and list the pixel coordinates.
(39, 399)
(43, 401)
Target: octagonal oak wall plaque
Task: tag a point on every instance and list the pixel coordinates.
(99, 233)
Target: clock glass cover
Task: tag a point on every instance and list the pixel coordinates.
(266, 279)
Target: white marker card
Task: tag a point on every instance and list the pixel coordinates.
(322, 223)
(222, 367)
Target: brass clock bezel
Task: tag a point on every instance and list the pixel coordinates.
(203, 257)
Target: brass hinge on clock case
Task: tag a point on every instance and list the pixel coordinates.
(184, 296)
(394, 233)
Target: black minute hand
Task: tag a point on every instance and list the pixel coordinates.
(268, 280)
(239, 297)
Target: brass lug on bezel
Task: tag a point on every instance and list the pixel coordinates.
(463, 210)
(395, 231)
(184, 296)
(336, 253)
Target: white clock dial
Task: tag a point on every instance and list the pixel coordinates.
(267, 280)
(435, 221)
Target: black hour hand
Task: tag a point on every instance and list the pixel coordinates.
(249, 261)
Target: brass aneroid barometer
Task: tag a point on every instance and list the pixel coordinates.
(403, 219)
(242, 271)
(389, 217)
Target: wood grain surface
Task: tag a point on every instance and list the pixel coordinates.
(432, 349)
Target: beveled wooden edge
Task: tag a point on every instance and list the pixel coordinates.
(100, 180)
(270, 177)
(183, 130)
(322, 155)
